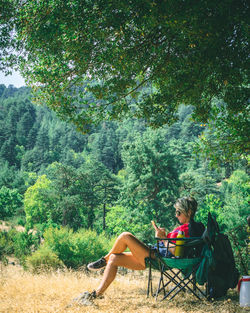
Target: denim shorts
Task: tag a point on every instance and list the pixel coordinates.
(163, 251)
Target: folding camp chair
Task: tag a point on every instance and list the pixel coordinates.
(178, 274)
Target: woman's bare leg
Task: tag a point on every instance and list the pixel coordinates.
(135, 259)
(125, 259)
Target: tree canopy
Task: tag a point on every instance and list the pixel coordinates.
(96, 60)
(90, 59)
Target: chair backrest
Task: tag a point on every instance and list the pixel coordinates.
(193, 248)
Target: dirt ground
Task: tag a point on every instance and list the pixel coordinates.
(21, 291)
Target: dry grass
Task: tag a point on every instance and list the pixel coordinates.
(21, 291)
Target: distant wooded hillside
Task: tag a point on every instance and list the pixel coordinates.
(117, 177)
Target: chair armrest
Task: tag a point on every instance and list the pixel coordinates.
(183, 238)
(188, 242)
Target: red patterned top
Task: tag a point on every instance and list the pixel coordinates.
(174, 233)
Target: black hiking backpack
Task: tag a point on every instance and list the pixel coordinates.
(223, 274)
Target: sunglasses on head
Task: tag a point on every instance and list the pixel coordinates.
(177, 212)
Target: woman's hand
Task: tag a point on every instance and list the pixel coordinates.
(160, 232)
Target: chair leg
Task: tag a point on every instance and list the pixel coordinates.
(150, 287)
(182, 285)
(161, 282)
(194, 281)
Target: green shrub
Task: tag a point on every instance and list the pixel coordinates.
(3, 245)
(7, 242)
(44, 259)
(21, 244)
(121, 219)
(24, 244)
(60, 242)
(21, 221)
(76, 248)
(10, 201)
(89, 246)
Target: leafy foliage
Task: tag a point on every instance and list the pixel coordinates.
(37, 205)
(151, 179)
(10, 201)
(24, 243)
(19, 244)
(226, 138)
(236, 201)
(186, 52)
(43, 259)
(7, 41)
(3, 247)
(231, 212)
(76, 249)
(70, 197)
(199, 183)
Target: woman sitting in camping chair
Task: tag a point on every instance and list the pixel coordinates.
(135, 259)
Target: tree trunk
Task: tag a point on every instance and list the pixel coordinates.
(104, 216)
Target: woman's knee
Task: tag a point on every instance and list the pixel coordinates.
(125, 235)
(113, 259)
(116, 260)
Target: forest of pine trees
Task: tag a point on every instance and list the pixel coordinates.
(119, 176)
